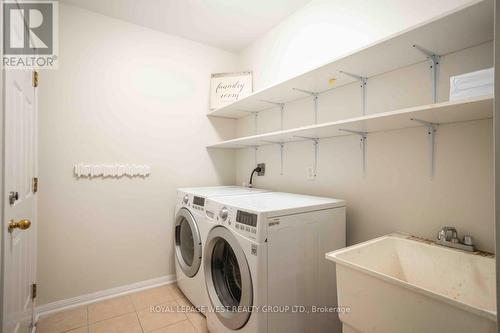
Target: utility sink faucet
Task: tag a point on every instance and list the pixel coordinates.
(448, 236)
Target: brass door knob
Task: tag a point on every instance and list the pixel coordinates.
(22, 224)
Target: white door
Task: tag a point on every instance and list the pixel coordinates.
(19, 226)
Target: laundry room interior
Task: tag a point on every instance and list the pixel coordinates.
(249, 166)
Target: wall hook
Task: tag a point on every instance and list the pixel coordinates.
(111, 170)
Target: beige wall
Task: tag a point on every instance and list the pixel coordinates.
(497, 146)
(2, 115)
(326, 29)
(396, 194)
(129, 94)
(123, 94)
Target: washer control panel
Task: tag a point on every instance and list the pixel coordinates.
(192, 201)
(246, 221)
(241, 221)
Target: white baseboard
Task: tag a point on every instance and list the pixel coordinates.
(102, 295)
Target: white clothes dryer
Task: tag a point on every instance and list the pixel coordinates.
(264, 263)
(189, 235)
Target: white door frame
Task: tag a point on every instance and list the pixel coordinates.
(2, 167)
(3, 232)
(496, 145)
(20, 168)
(3, 209)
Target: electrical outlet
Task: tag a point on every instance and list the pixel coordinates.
(262, 167)
(310, 173)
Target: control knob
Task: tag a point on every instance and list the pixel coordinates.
(224, 212)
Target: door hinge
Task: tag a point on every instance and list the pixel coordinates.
(13, 197)
(33, 291)
(35, 79)
(35, 184)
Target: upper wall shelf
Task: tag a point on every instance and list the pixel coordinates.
(465, 27)
(440, 113)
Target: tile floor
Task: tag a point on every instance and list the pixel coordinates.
(129, 314)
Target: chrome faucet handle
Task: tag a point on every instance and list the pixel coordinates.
(468, 240)
(450, 234)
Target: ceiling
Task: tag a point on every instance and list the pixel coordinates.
(227, 24)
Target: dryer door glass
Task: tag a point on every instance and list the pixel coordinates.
(187, 243)
(228, 279)
(226, 274)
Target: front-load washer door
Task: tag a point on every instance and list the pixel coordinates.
(187, 243)
(228, 280)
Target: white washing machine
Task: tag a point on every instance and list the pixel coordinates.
(265, 266)
(190, 235)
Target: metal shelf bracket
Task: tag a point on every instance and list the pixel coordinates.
(315, 143)
(315, 96)
(431, 137)
(363, 140)
(255, 116)
(255, 149)
(282, 110)
(282, 145)
(256, 122)
(433, 60)
(363, 81)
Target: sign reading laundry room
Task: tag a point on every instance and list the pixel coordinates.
(226, 88)
(111, 170)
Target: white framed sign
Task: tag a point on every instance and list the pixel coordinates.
(226, 88)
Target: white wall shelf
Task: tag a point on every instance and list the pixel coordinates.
(440, 113)
(465, 27)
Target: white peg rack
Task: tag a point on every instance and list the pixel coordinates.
(111, 170)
